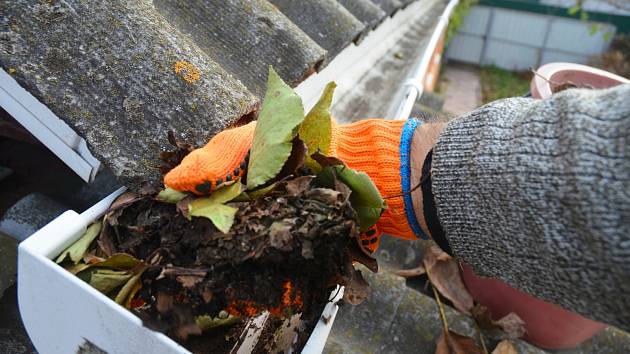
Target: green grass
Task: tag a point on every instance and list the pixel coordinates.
(498, 83)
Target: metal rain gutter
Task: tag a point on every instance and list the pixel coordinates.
(415, 83)
(47, 127)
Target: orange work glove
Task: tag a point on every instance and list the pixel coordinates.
(374, 146)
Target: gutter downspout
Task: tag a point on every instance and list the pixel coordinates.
(415, 83)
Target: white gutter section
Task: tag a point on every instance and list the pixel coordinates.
(415, 83)
(54, 133)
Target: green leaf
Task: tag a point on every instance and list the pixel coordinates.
(117, 261)
(365, 198)
(78, 249)
(262, 191)
(243, 197)
(212, 207)
(584, 16)
(222, 216)
(573, 10)
(122, 297)
(281, 113)
(220, 196)
(169, 195)
(316, 130)
(106, 280)
(206, 322)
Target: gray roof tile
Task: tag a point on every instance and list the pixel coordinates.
(389, 6)
(325, 21)
(245, 37)
(121, 76)
(122, 73)
(365, 11)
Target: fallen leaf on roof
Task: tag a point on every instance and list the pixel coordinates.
(357, 289)
(512, 325)
(505, 347)
(413, 272)
(453, 343)
(443, 271)
(481, 314)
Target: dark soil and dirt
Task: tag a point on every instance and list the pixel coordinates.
(284, 254)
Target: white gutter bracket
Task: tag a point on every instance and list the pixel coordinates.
(414, 84)
(47, 127)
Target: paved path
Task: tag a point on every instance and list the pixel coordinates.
(463, 89)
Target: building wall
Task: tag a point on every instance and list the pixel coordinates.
(519, 40)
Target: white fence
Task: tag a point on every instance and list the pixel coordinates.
(518, 40)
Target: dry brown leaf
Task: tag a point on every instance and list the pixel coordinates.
(123, 200)
(188, 281)
(295, 160)
(482, 316)
(453, 343)
(443, 272)
(105, 240)
(298, 185)
(357, 289)
(358, 255)
(325, 161)
(505, 347)
(512, 325)
(186, 330)
(164, 302)
(413, 272)
(182, 206)
(187, 277)
(118, 206)
(207, 294)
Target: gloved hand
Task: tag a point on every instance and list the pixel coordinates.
(374, 146)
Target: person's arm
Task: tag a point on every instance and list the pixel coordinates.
(537, 193)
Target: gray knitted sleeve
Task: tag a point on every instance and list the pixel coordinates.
(537, 193)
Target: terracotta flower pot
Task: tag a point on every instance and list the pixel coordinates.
(548, 326)
(553, 75)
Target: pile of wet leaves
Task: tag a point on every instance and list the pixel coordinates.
(274, 242)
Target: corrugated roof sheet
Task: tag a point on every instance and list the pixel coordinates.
(245, 37)
(365, 11)
(122, 73)
(389, 6)
(325, 21)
